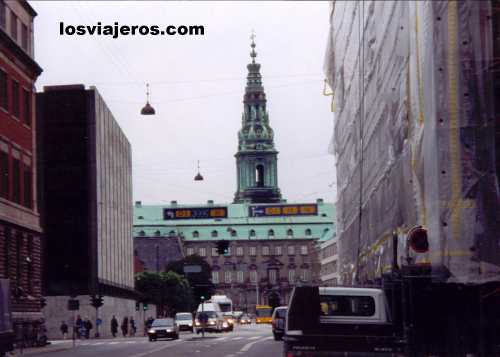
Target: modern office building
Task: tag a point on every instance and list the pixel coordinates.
(86, 190)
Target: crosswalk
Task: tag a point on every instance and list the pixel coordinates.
(143, 340)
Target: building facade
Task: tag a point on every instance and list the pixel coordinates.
(86, 190)
(328, 253)
(273, 245)
(20, 230)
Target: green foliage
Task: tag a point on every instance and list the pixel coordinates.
(170, 291)
(200, 282)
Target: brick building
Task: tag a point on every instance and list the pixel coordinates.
(20, 232)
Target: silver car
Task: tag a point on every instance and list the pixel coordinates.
(184, 320)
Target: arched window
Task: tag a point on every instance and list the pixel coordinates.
(215, 234)
(157, 233)
(142, 234)
(252, 233)
(270, 233)
(233, 233)
(196, 234)
(171, 234)
(259, 176)
(140, 217)
(308, 232)
(289, 233)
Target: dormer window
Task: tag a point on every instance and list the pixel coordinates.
(196, 234)
(252, 233)
(140, 217)
(171, 234)
(142, 234)
(289, 233)
(270, 233)
(215, 234)
(308, 232)
(157, 233)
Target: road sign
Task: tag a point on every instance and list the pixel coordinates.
(192, 269)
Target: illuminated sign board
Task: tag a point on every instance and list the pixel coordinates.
(195, 213)
(283, 210)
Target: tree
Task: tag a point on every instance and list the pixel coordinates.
(200, 282)
(170, 291)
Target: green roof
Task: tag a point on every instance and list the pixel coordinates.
(149, 221)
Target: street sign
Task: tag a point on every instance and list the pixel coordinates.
(98, 322)
(283, 210)
(194, 213)
(192, 269)
(73, 304)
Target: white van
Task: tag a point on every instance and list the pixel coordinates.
(215, 322)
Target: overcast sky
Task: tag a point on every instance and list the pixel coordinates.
(197, 86)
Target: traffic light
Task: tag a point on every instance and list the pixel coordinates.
(222, 247)
(145, 307)
(137, 306)
(96, 301)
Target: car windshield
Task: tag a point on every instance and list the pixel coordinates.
(281, 313)
(163, 322)
(210, 314)
(183, 317)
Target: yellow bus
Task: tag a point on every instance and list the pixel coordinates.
(263, 314)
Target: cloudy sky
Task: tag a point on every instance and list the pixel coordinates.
(197, 85)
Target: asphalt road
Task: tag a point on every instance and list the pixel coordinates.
(244, 341)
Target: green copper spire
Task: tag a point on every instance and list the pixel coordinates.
(256, 158)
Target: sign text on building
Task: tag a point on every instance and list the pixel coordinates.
(195, 213)
(283, 210)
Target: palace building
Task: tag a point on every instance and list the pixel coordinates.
(274, 245)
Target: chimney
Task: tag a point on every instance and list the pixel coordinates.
(173, 203)
(138, 204)
(319, 201)
(210, 202)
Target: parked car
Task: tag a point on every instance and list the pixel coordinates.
(278, 322)
(163, 328)
(245, 320)
(184, 320)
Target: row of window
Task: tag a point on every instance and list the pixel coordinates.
(13, 99)
(234, 233)
(329, 251)
(252, 251)
(13, 28)
(253, 275)
(329, 268)
(22, 263)
(16, 179)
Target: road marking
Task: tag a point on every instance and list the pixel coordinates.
(113, 343)
(254, 337)
(157, 349)
(222, 338)
(236, 338)
(130, 342)
(250, 344)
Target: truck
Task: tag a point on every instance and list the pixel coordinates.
(416, 91)
(226, 307)
(6, 330)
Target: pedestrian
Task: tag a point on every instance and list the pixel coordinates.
(64, 329)
(125, 326)
(87, 326)
(114, 326)
(77, 329)
(133, 328)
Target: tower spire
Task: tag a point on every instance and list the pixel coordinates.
(253, 54)
(256, 157)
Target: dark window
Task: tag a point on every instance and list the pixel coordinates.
(270, 233)
(2, 14)
(27, 107)
(308, 232)
(8, 239)
(252, 233)
(24, 37)
(215, 234)
(16, 181)
(196, 234)
(13, 26)
(342, 305)
(19, 247)
(233, 233)
(29, 262)
(28, 189)
(4, 174)
(3, 91)
(15, 99)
